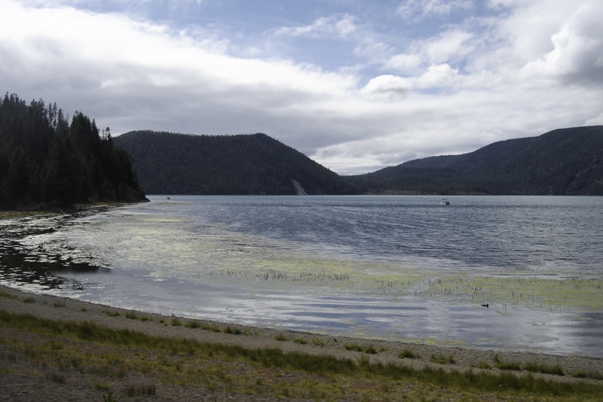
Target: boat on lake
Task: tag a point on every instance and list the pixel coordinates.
(444, 202)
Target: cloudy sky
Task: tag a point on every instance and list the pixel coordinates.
(356, 85)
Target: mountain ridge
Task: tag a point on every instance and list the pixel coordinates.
(244, 164)
(561, 162)
(565, 161)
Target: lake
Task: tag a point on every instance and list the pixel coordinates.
(393, 267)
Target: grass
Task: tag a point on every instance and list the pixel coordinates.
(133, 391)
(110, 354)
(131, 315)
(192, 324)
(111, 313)
(544, 369)
(7, 295)
(408, 354)
(361, 348)
(588, 374)
(232, 331)
(318, 342)
(441, 359)
(108, 397)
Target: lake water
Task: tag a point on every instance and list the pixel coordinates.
(394, 267)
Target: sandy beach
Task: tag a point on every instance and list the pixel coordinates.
(19, 382)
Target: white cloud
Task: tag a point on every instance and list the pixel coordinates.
(439, 75)
(419, 9)
(448, 46)
(339, 26)
(576, 51)
(387, 88)
(595, 121)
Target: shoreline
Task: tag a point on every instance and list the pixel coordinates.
(63, 309)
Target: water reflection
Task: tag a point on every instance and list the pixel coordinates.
(44, 271)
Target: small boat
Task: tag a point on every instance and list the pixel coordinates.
(444, 202)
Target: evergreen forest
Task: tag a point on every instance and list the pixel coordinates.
(48, 162)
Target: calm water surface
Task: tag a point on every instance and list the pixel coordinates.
(403, 268)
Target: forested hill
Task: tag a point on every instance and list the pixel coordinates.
(47, 162)
(168, 163)
(561, 162)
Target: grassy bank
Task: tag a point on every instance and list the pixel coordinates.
(109, 359)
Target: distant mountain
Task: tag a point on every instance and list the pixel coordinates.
(167, 163)
(561, 162)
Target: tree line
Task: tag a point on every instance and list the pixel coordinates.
(48, 162)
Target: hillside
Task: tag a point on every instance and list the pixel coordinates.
(561, 162)
(48, 162)
(168, 163)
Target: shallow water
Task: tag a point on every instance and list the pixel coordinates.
(402, 268)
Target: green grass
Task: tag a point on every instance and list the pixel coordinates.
(232, 331)
(361, 348)
(233, 368)
(101, 386)
(111, 313)
(588, 374)
(318, 342)
(192, 324)
(108, 397)
(7, 295)
(281, 338)
(29, 300)
(542, 368)
(131, 315)
(133, 391)
(441, 359)
(408, 354)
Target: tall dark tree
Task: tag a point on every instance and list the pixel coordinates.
(45, 161)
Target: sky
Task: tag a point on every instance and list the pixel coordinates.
(356, 85)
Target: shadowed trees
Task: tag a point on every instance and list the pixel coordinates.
(46, 161)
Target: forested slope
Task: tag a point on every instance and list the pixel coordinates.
(168, 163)
(47, 162)
(561, 162)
